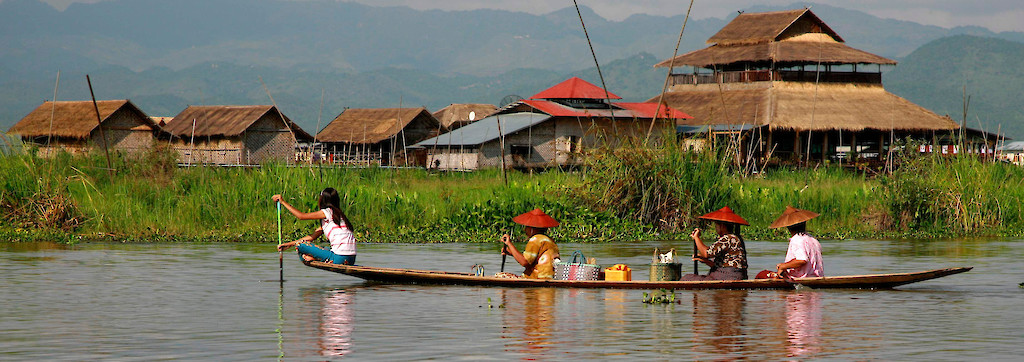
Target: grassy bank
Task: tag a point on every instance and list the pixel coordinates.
(626, 194)
(151, 199)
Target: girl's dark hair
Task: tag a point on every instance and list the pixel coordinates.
(798, 228)
(329, 199)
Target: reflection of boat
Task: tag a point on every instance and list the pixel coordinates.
(410, 276)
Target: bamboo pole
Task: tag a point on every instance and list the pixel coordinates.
(501, 143)
(671, 64)
(53, 113)
(283, 120)
(99, 121)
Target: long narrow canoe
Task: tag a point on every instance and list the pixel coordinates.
(410, 276)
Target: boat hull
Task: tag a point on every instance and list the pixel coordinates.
(410, 276)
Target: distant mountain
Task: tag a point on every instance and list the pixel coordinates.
(165, 55)
(935, 76)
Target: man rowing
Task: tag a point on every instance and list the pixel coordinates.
(540, 253)
(728, 255)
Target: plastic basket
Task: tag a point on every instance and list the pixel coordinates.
(577, 270)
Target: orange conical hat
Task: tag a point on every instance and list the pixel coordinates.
(725, 214)
(792, 216)
(536, 218)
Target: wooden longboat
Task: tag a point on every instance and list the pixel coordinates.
(411, 276)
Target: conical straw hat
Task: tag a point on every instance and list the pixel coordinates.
(536, 218)
(792, 216)
(725, 214)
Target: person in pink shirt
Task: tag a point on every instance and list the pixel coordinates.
(803, 258)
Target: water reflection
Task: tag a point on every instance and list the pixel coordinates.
(335, 320)
(718, 322)
(803, 324)
(529, 317)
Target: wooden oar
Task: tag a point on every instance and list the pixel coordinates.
(280, 253)
(503, 256)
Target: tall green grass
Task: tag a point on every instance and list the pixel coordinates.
(661, 185)
(962, 195)
(151, 199)
(628, 193)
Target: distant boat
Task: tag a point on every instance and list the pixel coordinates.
(411, 276)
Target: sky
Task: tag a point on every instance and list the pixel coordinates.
(996, 15)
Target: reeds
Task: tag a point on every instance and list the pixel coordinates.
(628, 193)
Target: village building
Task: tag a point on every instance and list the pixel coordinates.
(457, 115)
(1012, 152)
(377, 136)
(552, 128)
(73, 127)
(234, 135)
(787, 86)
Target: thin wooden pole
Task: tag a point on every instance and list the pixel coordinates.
(53, 113)
(283, 120)
(501, 143)
(99, 121)
(671, 64)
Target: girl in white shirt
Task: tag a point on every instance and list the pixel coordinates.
(334, 226)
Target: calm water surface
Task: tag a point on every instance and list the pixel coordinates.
(203, 301)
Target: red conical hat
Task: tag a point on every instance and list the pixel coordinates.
(792, 216)
(536, 218)
(725, 214)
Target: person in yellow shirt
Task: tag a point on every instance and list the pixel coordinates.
(541, 252)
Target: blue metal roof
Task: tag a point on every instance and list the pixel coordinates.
(485, 130)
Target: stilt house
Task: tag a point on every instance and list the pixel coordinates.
(377, 136)
(553, 128)
(235, 135)
(74, 127)
(788, 86)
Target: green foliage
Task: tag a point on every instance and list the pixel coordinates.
(961, 195)
(631, 193)
(661, 185)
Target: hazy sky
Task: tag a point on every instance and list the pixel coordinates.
(997, 15)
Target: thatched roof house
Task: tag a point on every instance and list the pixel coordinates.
(551, 128)
(235, 135)
(785, 38)
(377, 135)
(73, 127)
(457, 115)
(806, 93)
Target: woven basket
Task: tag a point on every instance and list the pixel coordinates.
(576, 270)
(661, 272)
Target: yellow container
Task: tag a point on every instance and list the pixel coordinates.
(618, 273)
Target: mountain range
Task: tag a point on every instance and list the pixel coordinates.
(165, 55)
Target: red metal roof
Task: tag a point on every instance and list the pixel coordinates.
(628, 110)
(574, 88)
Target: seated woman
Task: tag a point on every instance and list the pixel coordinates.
(540, 253)
(334, 225)
(803, 258)
(728, 255)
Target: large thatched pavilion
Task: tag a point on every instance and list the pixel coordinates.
(73, 126)
(787, 85)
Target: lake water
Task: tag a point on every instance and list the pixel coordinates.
(219, 301)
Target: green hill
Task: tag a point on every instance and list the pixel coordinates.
(934, 76)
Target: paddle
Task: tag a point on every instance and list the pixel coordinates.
(504, 255)
(280, 253)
